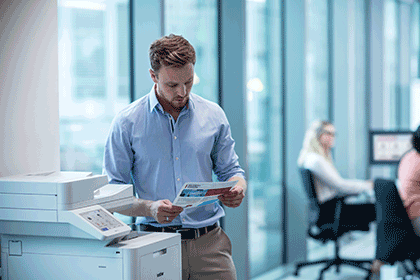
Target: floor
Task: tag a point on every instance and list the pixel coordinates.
(355, 246)
(358, 245)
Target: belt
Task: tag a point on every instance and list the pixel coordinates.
(186, 233)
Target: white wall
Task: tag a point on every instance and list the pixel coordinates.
(29, 119)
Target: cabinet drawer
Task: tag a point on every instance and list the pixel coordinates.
(164, 264)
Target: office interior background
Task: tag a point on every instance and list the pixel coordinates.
(67, 67)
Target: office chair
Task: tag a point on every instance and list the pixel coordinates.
(396, 239)
(327, 231)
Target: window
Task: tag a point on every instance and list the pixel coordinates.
(391, 65)
(196, 21)
(415, 64)
(93, 77)
(264, 96)
(316, 61)
(317, 70)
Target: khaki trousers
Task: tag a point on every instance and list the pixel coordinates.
(208, 257)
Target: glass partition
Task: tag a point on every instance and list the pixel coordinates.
(317, 101)
(196, 20)
(391, 63)
(93, 77)
(414, 66)
(264, 96)
(316, 60)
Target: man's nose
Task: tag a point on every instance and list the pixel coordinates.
(183, 90)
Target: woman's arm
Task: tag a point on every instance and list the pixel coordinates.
(327, 173)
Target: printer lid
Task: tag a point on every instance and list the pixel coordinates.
(62, 191)
(47, 177)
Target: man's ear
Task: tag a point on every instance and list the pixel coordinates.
(153, 75)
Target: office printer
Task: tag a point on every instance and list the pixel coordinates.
(58, 225)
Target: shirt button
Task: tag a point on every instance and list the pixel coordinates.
(178, 179)
(175, 137)
(176, 158)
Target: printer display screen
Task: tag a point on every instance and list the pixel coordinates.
(101, 219)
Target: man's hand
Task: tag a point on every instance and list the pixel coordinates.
(236, 194)
(234, 197)
(163, 211)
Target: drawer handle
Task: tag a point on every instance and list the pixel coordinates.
(160, 274)
(159, 253)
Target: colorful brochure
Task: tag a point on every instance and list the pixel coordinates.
(204, 193)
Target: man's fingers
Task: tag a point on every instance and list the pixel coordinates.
(231, 203)
(235, 191)
(165, 218)
(169, 214)
(167, 206)
(231, 197)
(177, 209)
(172, 210)
(165, 212)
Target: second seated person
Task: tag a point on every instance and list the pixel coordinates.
(409, 177)
(316, 156)
(170, 137)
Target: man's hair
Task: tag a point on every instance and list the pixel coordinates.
(416, 140)
(172, 50)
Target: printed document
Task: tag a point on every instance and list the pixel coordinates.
(204, 193)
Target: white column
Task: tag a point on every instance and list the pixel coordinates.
(29, 119)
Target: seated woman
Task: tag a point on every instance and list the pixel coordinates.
(409, 181)
(316, 156)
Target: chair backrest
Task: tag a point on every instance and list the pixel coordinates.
(396, 239)
(309, 186)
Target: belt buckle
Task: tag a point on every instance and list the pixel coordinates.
(206, 230)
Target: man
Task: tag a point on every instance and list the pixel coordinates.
(167, 138)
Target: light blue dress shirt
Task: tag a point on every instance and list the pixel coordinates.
(145, 144)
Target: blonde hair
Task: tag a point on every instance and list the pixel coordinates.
(311, 142)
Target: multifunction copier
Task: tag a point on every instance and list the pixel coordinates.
(59, 225)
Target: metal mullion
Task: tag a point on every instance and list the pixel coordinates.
(131, 50)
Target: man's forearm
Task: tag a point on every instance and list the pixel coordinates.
(140, 207)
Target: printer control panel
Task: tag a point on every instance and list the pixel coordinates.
(96, 221)
(101, 219)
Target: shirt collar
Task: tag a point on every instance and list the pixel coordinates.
(154, 102)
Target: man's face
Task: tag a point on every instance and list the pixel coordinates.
(173, 86)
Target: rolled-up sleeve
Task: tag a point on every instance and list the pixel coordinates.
(225, 159)
(118, 155)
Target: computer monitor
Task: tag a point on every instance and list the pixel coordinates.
(387, 147)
